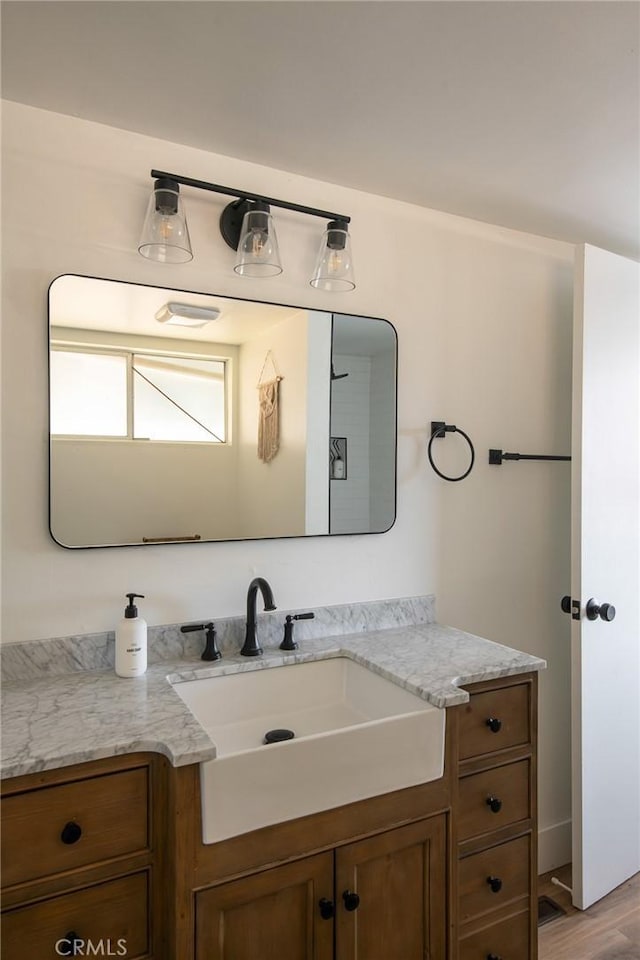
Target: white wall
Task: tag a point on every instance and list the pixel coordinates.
(318, 399)
(121, 491)
(271, 496)
(505, 533)
(483, 318)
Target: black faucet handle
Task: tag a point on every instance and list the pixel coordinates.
(211, 651)
(288, 643)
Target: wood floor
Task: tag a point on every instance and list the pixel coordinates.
(609, 930)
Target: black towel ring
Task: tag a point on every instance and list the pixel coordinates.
(439, 429)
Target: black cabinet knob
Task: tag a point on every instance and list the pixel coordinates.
(351, 900)
(495, 883)
(66, 946)
(71, 832)
(493, 956)
(606, 611)
(494, 724)
(327, 908)
(495, 804)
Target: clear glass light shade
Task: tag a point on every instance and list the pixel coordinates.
(334, 266)
(165, 235)
(258, 254)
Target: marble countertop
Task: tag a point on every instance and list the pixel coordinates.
(55, 721)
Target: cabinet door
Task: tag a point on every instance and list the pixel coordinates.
(391, 895)
(273, 915)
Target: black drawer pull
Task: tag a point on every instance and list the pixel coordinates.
(495, 883)
(495, 804)
(494, 724)
(327, 908)
(351, 900)
(71, 833)
(66, 947)
(493, 956)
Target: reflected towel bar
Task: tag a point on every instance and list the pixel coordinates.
(196, 536)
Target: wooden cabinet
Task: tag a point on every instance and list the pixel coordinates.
(111, 851)
(388, 900)
(495, 830)
(78, 851)
(398, 881)
(273, 915)
(446, 870)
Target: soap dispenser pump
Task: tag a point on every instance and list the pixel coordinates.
(131, 641)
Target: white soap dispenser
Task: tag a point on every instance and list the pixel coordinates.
(131, 641)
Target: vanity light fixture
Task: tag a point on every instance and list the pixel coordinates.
(165, 235)
(247, 226)
(186, 315)
(334, 266)
(258, 245)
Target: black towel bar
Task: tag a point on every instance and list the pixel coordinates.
(496, 457)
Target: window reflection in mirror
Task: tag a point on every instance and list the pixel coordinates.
(154, 427)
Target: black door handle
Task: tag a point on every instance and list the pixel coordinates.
(327, 908)
(606, 611)
(351, 900)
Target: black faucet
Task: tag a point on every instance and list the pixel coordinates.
(251, 648)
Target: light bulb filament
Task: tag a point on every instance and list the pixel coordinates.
(258, 243)
(335, 261)
(166, 228)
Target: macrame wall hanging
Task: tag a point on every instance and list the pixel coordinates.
(268, 412)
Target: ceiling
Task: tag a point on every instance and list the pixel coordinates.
(524, 114)
(112, 306)
(87, 303)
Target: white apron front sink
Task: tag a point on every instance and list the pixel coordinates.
(357, 735)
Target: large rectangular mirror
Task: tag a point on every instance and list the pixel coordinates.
(179, 416)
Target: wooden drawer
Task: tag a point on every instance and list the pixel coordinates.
(507, 785)
(507, 866)
(114, 913)
(508, 940)
(508, 709)
(108, 817)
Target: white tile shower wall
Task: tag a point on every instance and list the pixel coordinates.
(350, 418)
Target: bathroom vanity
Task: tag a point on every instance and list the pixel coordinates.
(112, 849)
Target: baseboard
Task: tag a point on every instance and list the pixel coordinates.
(554, 846)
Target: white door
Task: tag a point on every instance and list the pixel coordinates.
(605, 568)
